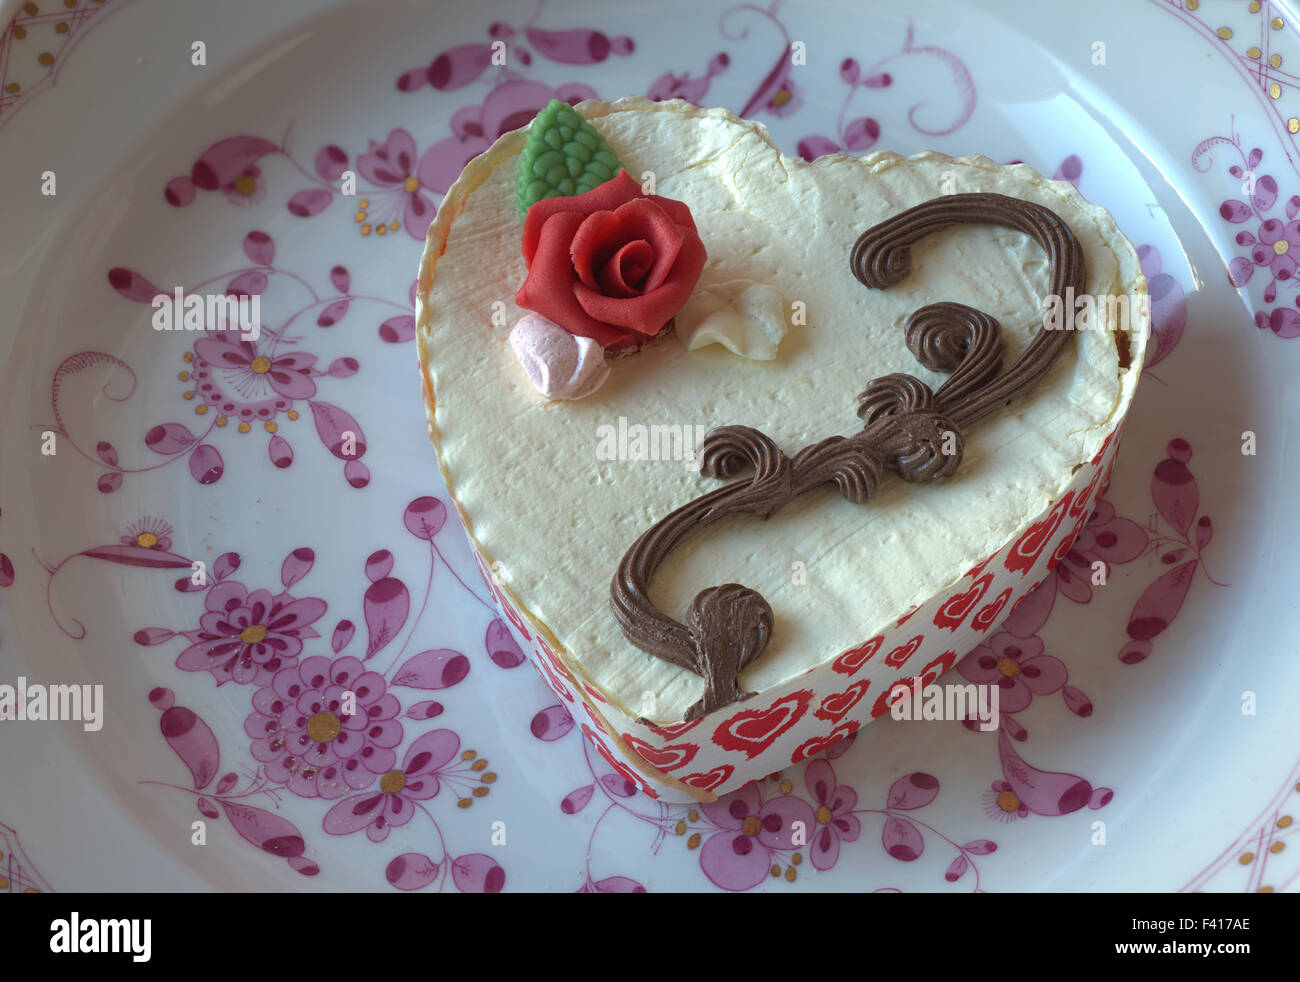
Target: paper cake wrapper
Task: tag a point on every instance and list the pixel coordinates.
(805, 715)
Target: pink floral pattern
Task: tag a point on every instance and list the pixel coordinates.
(305, 735)
(1017, 666)
(836, 823)
(1107, 540)
(24, 73)
(1267, 235)
(247, 636)
(401, 790)
(857, 134)
(266, 382)
(328, 726)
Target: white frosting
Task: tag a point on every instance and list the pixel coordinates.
(560, 365)
(748, 319)
(540, 501)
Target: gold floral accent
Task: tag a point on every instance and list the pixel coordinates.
(393, 782)
(324, 727)
(253, 634)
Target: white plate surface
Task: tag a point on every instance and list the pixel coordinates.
(1158, 747)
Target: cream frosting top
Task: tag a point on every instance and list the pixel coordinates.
(556, 516)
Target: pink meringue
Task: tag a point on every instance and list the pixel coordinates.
(560, 365)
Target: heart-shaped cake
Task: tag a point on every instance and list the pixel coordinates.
(661, 272)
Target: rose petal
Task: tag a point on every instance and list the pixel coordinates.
(648, 313)
(547, 288)
(625, 273)
(602, 234)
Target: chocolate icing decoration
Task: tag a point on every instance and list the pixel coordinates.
(906, 429)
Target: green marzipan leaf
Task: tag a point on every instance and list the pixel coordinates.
(564, 155)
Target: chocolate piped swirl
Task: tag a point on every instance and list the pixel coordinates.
(916, 432)
(882, 257)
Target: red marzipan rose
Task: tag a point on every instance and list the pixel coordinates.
(614, 264)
